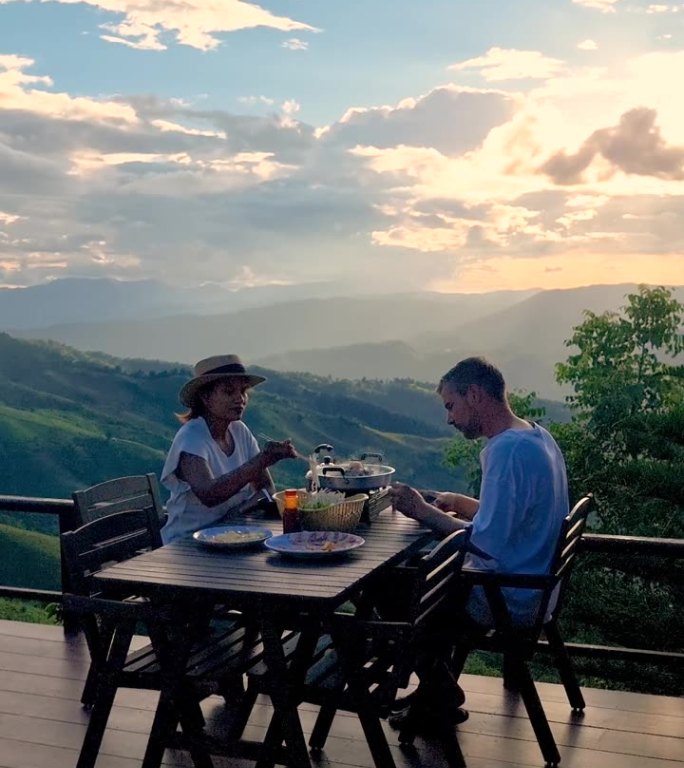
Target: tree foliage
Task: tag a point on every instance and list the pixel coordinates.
(626, 444)
(626, 440)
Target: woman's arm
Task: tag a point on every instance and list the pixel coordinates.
(211, 491)
(265, 481)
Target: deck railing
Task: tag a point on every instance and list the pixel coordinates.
(669, 549)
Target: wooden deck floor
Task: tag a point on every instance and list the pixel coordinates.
(42, 722)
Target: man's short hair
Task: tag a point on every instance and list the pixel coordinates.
(478, 371)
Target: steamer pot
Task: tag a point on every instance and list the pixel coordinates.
(352, 475)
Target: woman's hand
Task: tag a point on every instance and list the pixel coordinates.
(273, 451)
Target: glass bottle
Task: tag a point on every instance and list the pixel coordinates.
(291, 511)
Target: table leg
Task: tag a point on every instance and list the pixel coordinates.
(284, 684)
(173, 645)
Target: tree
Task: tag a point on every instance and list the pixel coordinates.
(626, 445)
(626, 440)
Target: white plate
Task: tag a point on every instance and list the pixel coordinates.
(311, 544)
(231, 536)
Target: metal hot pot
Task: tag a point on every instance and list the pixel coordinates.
(367, 473)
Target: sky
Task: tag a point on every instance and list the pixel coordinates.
(438, 145)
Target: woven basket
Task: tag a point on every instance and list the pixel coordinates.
(343, 516)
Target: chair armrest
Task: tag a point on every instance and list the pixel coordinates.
(475, 576)
(374, 628)
(133, 610)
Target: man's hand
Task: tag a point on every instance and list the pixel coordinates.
(407, 500)
(273, 451)
(462, 506)
(446, 501)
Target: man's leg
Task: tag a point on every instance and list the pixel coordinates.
(438, 668)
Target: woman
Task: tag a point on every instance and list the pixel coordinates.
(214, 463)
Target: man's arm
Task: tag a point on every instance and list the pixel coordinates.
(408, 501)
(461, 505)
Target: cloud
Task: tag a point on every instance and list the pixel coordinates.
(254, 100)
(449, 119)
(635, 146)
(22, 91)
(587, 45)
(147, 24)
(605, 6)
(441, 188)
(295, 44)
(510, 64)
(664, 8)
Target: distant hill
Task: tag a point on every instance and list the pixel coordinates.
(525, 339)
(86, 300)
(265, 330)
(417, 336)
(96, 300)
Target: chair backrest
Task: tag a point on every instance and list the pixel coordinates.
(119, 495)
(566, 551)
(110, 539)
(438, 580)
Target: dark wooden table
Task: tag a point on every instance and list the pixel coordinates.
(269, 589)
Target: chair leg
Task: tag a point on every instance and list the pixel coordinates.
(192, 723)
(565, 670)
(510, 681)
(321, 729)
(377, 742)
(90, 688)
(97, 725)
(536, 714)
(242, 712)
(452, 749)
(106, 686)
(365, 709)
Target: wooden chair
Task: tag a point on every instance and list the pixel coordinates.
(518, 645)
(216, 659)
(119, 495)
(122, 494)
(359, 666)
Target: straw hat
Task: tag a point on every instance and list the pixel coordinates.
(214, 368)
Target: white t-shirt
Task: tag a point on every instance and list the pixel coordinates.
(186, 512)
(523, 500)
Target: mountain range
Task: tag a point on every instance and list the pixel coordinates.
(417, 335)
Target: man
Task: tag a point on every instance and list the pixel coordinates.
(516, 521)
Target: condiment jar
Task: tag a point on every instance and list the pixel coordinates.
(291, 511)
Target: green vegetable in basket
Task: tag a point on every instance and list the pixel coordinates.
(313, 506)
(320, 500)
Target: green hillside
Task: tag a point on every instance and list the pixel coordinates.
(70, 419)
(29, 559)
